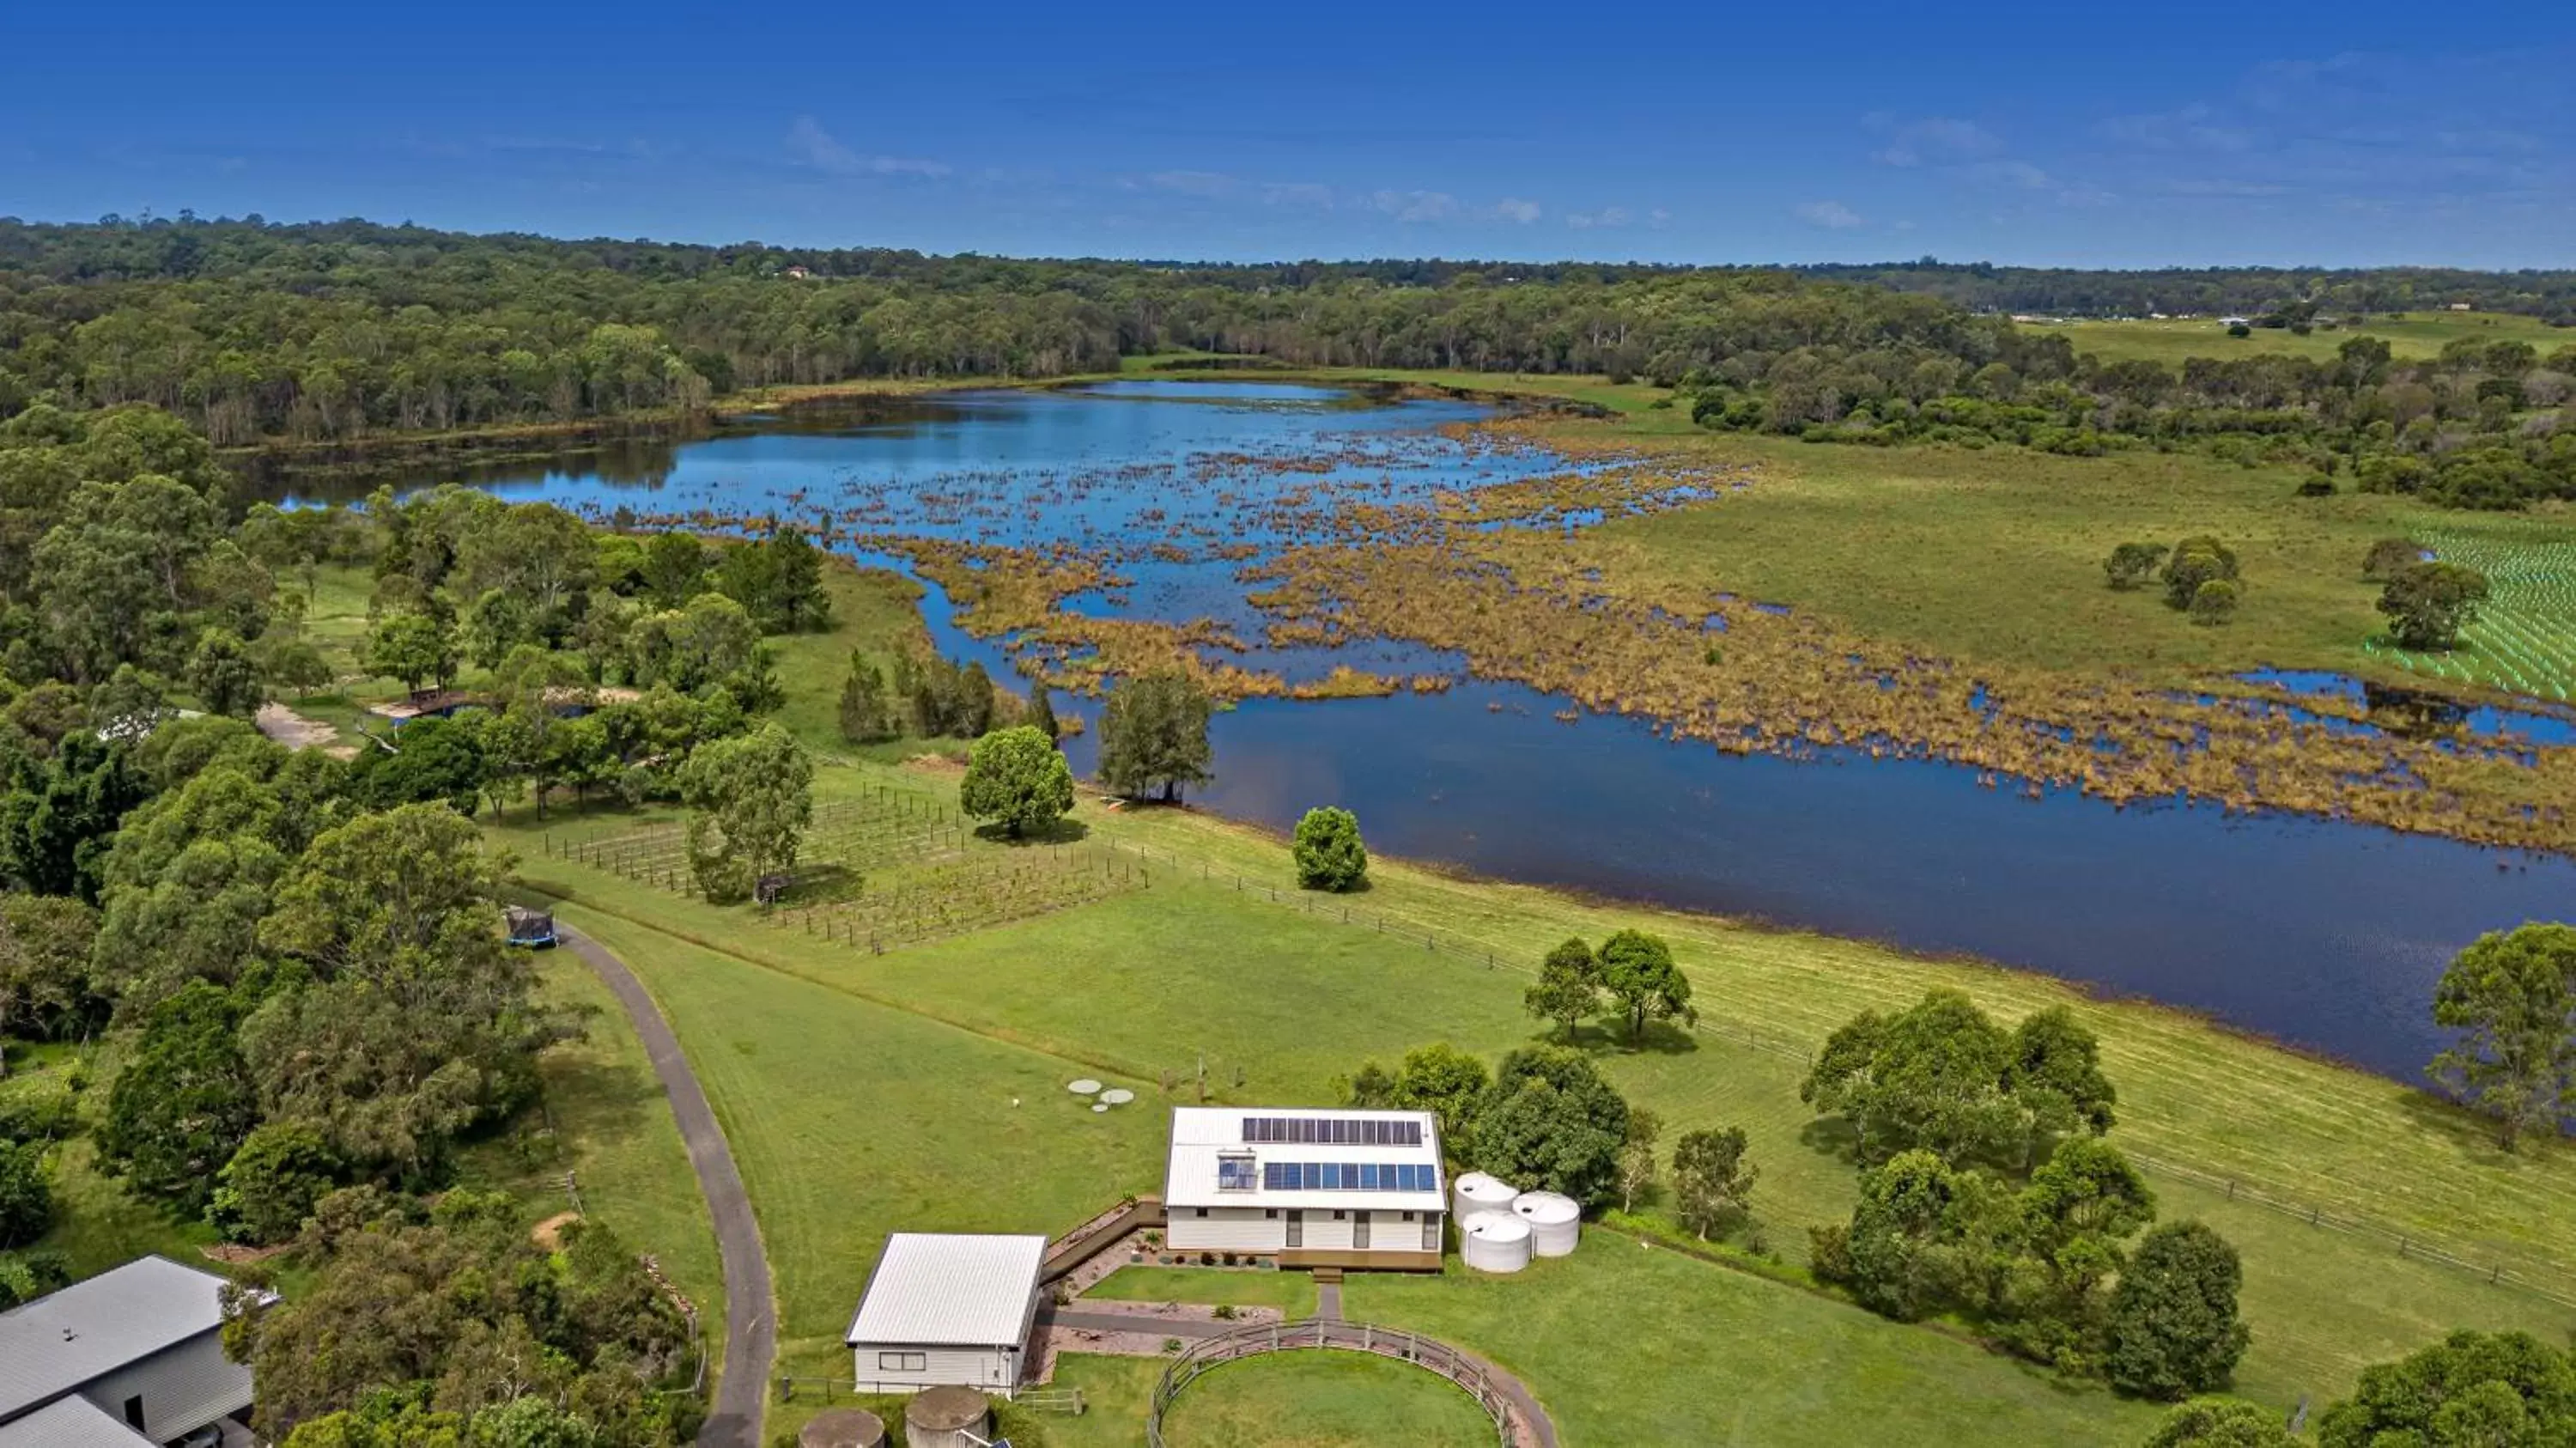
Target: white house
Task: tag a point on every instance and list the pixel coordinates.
(946, 1309)
(1312, 1188)
(127, 1359)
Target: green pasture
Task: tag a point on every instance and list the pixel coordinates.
(2524, 641)
(2411, 334)
(1277, 1002)
(1324, 1399)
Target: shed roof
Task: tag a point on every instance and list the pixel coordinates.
(70, 1421)
(941, 1289)
(54, 1344)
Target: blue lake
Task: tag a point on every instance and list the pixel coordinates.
(2323, 934)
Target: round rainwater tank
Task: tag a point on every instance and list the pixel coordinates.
(1476, 1192)
(948, 1418)
(1555, 1222)
(1494, 1242)
(843, 1428)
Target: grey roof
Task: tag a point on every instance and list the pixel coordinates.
(949, 1290)
(70, 1421)
(54, 1344)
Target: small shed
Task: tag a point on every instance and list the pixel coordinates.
(946, 1309)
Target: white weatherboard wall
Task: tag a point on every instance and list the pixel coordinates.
(945, 1310)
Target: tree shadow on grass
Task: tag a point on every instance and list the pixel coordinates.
(1065, 830)
(1831, 1137)
(1662, 1038)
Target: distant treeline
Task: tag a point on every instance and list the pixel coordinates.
(350, 329)
(2219, 291)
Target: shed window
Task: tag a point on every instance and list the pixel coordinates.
(134, 1412)
(903, 1362)
(1199, 1212)
(1270, 1212)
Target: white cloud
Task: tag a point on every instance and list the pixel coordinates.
(1606, 217)
(1512, 208)
(2019, 174)
(1194, 183)
(1933, 140)
(1831, 215)
(1297, 193)
(2191, 128)
(1415, 205)
(809, 143)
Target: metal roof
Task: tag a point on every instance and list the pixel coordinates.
(936, 1289)
(70, 1421)
(54, 1344)
(1201, 1135)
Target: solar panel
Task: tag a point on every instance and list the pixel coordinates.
(1331, 1131)
(1348, 1176)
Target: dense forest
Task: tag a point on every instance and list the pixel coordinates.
(344, 330)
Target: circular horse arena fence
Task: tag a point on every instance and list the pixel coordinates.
(1316, 1332)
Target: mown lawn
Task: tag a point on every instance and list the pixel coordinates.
(1291, 1292)
(1279, 1003)
(851, 1120)
(1627, 1344)
(1324, 1399)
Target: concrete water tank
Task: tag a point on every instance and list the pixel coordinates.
(1494, 1242)
(843, 1428)
(1555, 1222)
(949, 1417)
(1476, 1192)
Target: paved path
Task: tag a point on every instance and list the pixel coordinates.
(751, 1329)
(1328, 1299)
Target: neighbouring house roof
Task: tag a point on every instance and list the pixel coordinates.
(53, 1345)
(1209, 1142)
(936, 1289)
(70, 1421)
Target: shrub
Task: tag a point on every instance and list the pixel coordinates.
(2213, 602)
(2196, 560)
(1329, 853)
(2130, 563)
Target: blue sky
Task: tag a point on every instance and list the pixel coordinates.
(2067, 135)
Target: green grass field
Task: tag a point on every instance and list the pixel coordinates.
(606, 1126)
(1122, 989)
(1323, 1400)
(1292, 1293)
(2524, 641)
(1995, 555)
(2415, 334)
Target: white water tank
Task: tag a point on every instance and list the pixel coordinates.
(1494, 1242)
(1555, 1222)
(1476, 1192)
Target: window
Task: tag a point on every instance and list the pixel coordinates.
(903, 1362)
(1337, 1214)
(1270, 1212)
(134, 1412)
(1199, 1212)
